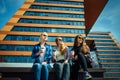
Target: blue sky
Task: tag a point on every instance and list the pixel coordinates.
(109, 19)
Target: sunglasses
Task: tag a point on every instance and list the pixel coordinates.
(80, 37)
(60, 39)
(44, 35)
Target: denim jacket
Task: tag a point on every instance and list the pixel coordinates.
(48, 53)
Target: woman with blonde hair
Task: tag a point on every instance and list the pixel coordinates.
(61, 56)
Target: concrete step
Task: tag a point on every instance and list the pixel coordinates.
(18, 72)
(10, 78)
(112, 78)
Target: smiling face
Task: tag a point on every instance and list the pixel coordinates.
(44, 36)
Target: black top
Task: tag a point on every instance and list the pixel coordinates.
(77, 50)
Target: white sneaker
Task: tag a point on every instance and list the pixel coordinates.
(87, 76)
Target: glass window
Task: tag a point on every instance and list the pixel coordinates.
(3, 47)
(54, 14)
(40, 29)
(56, 8)
(60, 2)
(8, 38)
(78, 23)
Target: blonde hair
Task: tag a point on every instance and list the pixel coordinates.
(84, 48)
(62, 47)
(43, 33)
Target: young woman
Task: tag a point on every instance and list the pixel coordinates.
(79, 58)
(61, 57)
(42, 54)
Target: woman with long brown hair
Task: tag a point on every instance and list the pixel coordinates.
(61, 56)
(79, 58)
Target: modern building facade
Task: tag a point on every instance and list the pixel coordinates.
(65, 18)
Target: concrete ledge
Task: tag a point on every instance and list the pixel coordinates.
(24, 71)
(28, 65)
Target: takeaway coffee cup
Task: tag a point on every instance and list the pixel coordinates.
(72, 53)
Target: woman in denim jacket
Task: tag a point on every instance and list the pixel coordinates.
(42, 54)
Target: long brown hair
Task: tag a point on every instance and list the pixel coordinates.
(83, 46)
(63, 48)
(76, 42)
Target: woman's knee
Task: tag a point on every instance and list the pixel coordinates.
(81, 55)
(44, 66)
(37, 66)
(57, 64)
(67, 64)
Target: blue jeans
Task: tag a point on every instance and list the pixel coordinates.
(62, 71)
(41, 72)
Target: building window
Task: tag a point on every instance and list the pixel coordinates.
(60, 2)
(38, 21)
(56, 30)
(37, 38)
(56, 8)
(29, 13)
